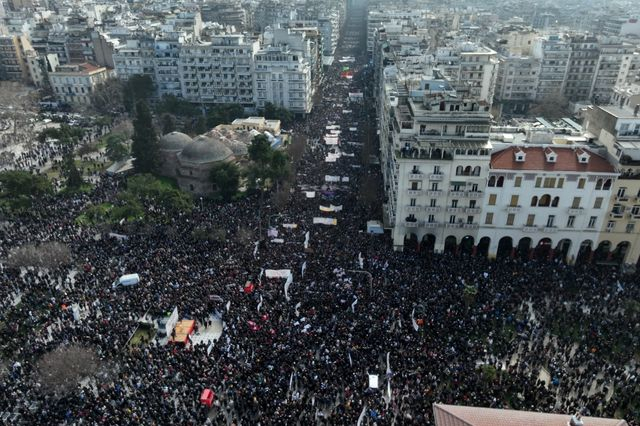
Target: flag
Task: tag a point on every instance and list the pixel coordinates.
(286, 286)
(228, 305)
(353, 305)
(350, 361)
(260, 276)
(272, 233)
(360, 260)
(297, 307)
(416, 327)
(306, 240)
(260, 304)
(255, 250)
(361, 418)
(304, 268)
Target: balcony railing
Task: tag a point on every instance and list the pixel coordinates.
(550, 229)
(436, 176)
(413, 209)
(452, 225)
(414, 192)
(529, 228)
(430, 225)
(434, 193)
(576, 211)
(409, 224)
(434, 209)
(457, 193)
(415, 176)
(455, 210)
(472, 210)
(471, 226)
(513, 209)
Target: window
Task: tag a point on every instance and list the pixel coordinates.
(611, 225)
(500, 182)
(459, 171)
(550, 220)
(621, 192)
(415, 185)
(555, 202)
(518, 182)
(545, 201)
(514, 201)
(538, 182)
(412, 202)
(474, 187)
(581, 183)
(431, 218)
(534, 201)
(454, 203)
(598, 203)
(549, 182)
(592, 222)
(434, 186)
(576, 202)
(607, 185)
(492, 199)
(635, 210)
(599, 184)
(488, 220)
(436, 170)
(476, 171)
(510, 219)
(531, 220)
(452, 218)
(432, 202)
(560, 182)
(570, 221)
(618, 209)
(472, 204)
(469, 220)
(629, 228)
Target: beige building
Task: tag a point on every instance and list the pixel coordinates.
(260, 124)
(74, 83)
(12, 64)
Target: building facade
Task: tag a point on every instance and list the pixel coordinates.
(74, 83)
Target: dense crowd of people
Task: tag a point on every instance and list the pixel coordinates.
(529, 335)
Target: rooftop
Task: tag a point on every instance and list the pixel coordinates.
(456, 415)
(567, 160)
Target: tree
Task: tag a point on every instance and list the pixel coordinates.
(16, 183)
(116, 149)
(226, 177)
(61, 370)
(279, 167)
(48, 255)
(260, 150)
(200, 126)
(71, 173)
(168, 123)
(273, 112)
(553, 107)
(224, 114)
(138, 88)
(145, 143)
(108, 97)
(176, 106)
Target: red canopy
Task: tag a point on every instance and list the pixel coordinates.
(206, 397)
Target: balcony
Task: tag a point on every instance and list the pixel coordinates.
(436, 176)
(434, 209)
(457, 193)
(529, 228)
(574, 211)
(413, 209)
(550, 229)
(474, 194)
(434, 193)
(452, 225)
(471, 226)
(414, 192)
(430, 225)
(472, 210)
(416, 176)
(513, 209)
(616, 215)
(409, 224)
(455, 210)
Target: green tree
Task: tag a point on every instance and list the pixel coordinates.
(71, 173)
(176, 106)
(138, 88)
(116, 149)
(260, 150)
(274, 112)
(224, 114)
(279, 166)
(19, 187)
(226, 177)
(108, 97)
(200, 126)
(168, 123)
(145, 143)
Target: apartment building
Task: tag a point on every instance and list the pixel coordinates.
(614, 55)
(282, 77)
(136, 57)
(74, 83)
(582, 68)
(517, 83)
(545, 202)
(12, 63)
(219, 71)
(167, 53)
(553, 54)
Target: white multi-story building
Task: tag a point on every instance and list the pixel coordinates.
(136, 57)
(517, 83)
(74, 83)
(282, 77)
(615, 56)
(219, 71)
(167, 51)
(553, 54)
(545, 202)
(478, 71)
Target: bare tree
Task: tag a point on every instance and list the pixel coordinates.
(296, 149)
(61, 370)
(44, 255)
(280, 198)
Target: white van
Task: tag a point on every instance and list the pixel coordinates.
(126, 281)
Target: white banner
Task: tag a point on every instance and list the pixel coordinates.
(304, 268)
(255, 249)
(260, 304)
(286, 287)
(331, 141)
(290, 225)
(373, 381)
(331, 208)
(360, 260)
(345, 179)
(306, 240)
(277, 273)
(353, 129)
(332, 127)
(325, 221)
(277, 241)
(310, 194)
(329, 178)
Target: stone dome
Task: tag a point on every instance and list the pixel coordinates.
(204, 149)
(174, 141)
(238, 148)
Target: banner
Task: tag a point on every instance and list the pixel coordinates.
(360, 260)
(277, 273)
(353, 305)
(373, 381)
(329, 178)
(272, 232)
(331, 141)
(331, 208)
(345, 179)
(290, 225)
(310, 194)
(304, 268)
(277, 240)
(306, 240)
(255, 249)
(325, 221)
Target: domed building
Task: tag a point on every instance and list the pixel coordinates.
(196, 160)
(170, 145)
